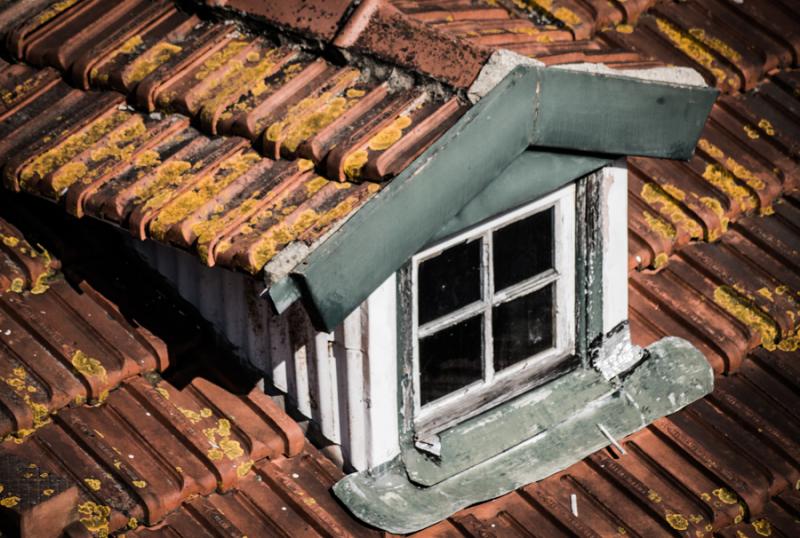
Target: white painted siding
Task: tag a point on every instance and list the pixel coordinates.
(345, 382)
(615, 244)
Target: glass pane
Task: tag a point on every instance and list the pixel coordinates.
(523, 249)
(450, 359)
(449, 281)
(522, 327)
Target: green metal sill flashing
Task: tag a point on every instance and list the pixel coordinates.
(672, 375)
(531, 107)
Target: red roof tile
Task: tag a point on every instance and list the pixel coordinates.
(58, 346)
(161, 178)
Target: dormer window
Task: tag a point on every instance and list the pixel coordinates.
(493, 310)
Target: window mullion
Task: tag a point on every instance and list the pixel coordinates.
(488, 300)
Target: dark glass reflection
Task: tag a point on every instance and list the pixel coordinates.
(522, 327)
(450, 359)
(523, 249)
(449, 281)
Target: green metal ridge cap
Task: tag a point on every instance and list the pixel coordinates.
(672, 376)
(608, 112)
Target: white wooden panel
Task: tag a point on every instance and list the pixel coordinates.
(615, 245)
(381, 374)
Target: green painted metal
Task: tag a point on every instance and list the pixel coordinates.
(505, 426)
(593, 112)
(532, 106)
(532, 175)
(673, 375)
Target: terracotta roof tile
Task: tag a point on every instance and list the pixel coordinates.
(59, 346)
(150, 447)
(747, 284)
(318, 18)
(378, 29)
(161, 178)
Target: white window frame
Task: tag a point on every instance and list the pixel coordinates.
(473, 398)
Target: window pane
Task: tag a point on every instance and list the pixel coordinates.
(450, 359)
(523, 249)
(449, 281)
(522, 327)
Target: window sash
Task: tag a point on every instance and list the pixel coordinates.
(561, 276)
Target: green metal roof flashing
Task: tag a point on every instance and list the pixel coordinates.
(532, 106)
(673, 375)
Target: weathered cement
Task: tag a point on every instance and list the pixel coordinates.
(672, 375)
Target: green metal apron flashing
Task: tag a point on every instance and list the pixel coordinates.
(674, 375)
(532, 106)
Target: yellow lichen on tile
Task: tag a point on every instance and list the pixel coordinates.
(677, 521)
(716, 44)
(354, 162)
(24, 390)
(716, 207)
(743, 309)
(88, 366)
(93, 483)
(724, 181)
(624, 28)
(203, 192)
(659, 225)
(48, 492)
(244, 468)
(168, 176)
(10, 501)
(249, 75)
(148, 159)
(669, 209)
(67, 175)
(387, 136)
(209, 229)
(567, 16)
(762, 527)
(139, 484)
(122, 142)
(313, 186)
(47, 162)
(148, 62)
(193, 416)
(219, 58)
(752, 134)
(767, 127)
(738, 170)
(653, 496)
(54, 10)
(95, 518)
(689, 46)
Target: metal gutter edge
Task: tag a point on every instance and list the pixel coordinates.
(674, 375)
